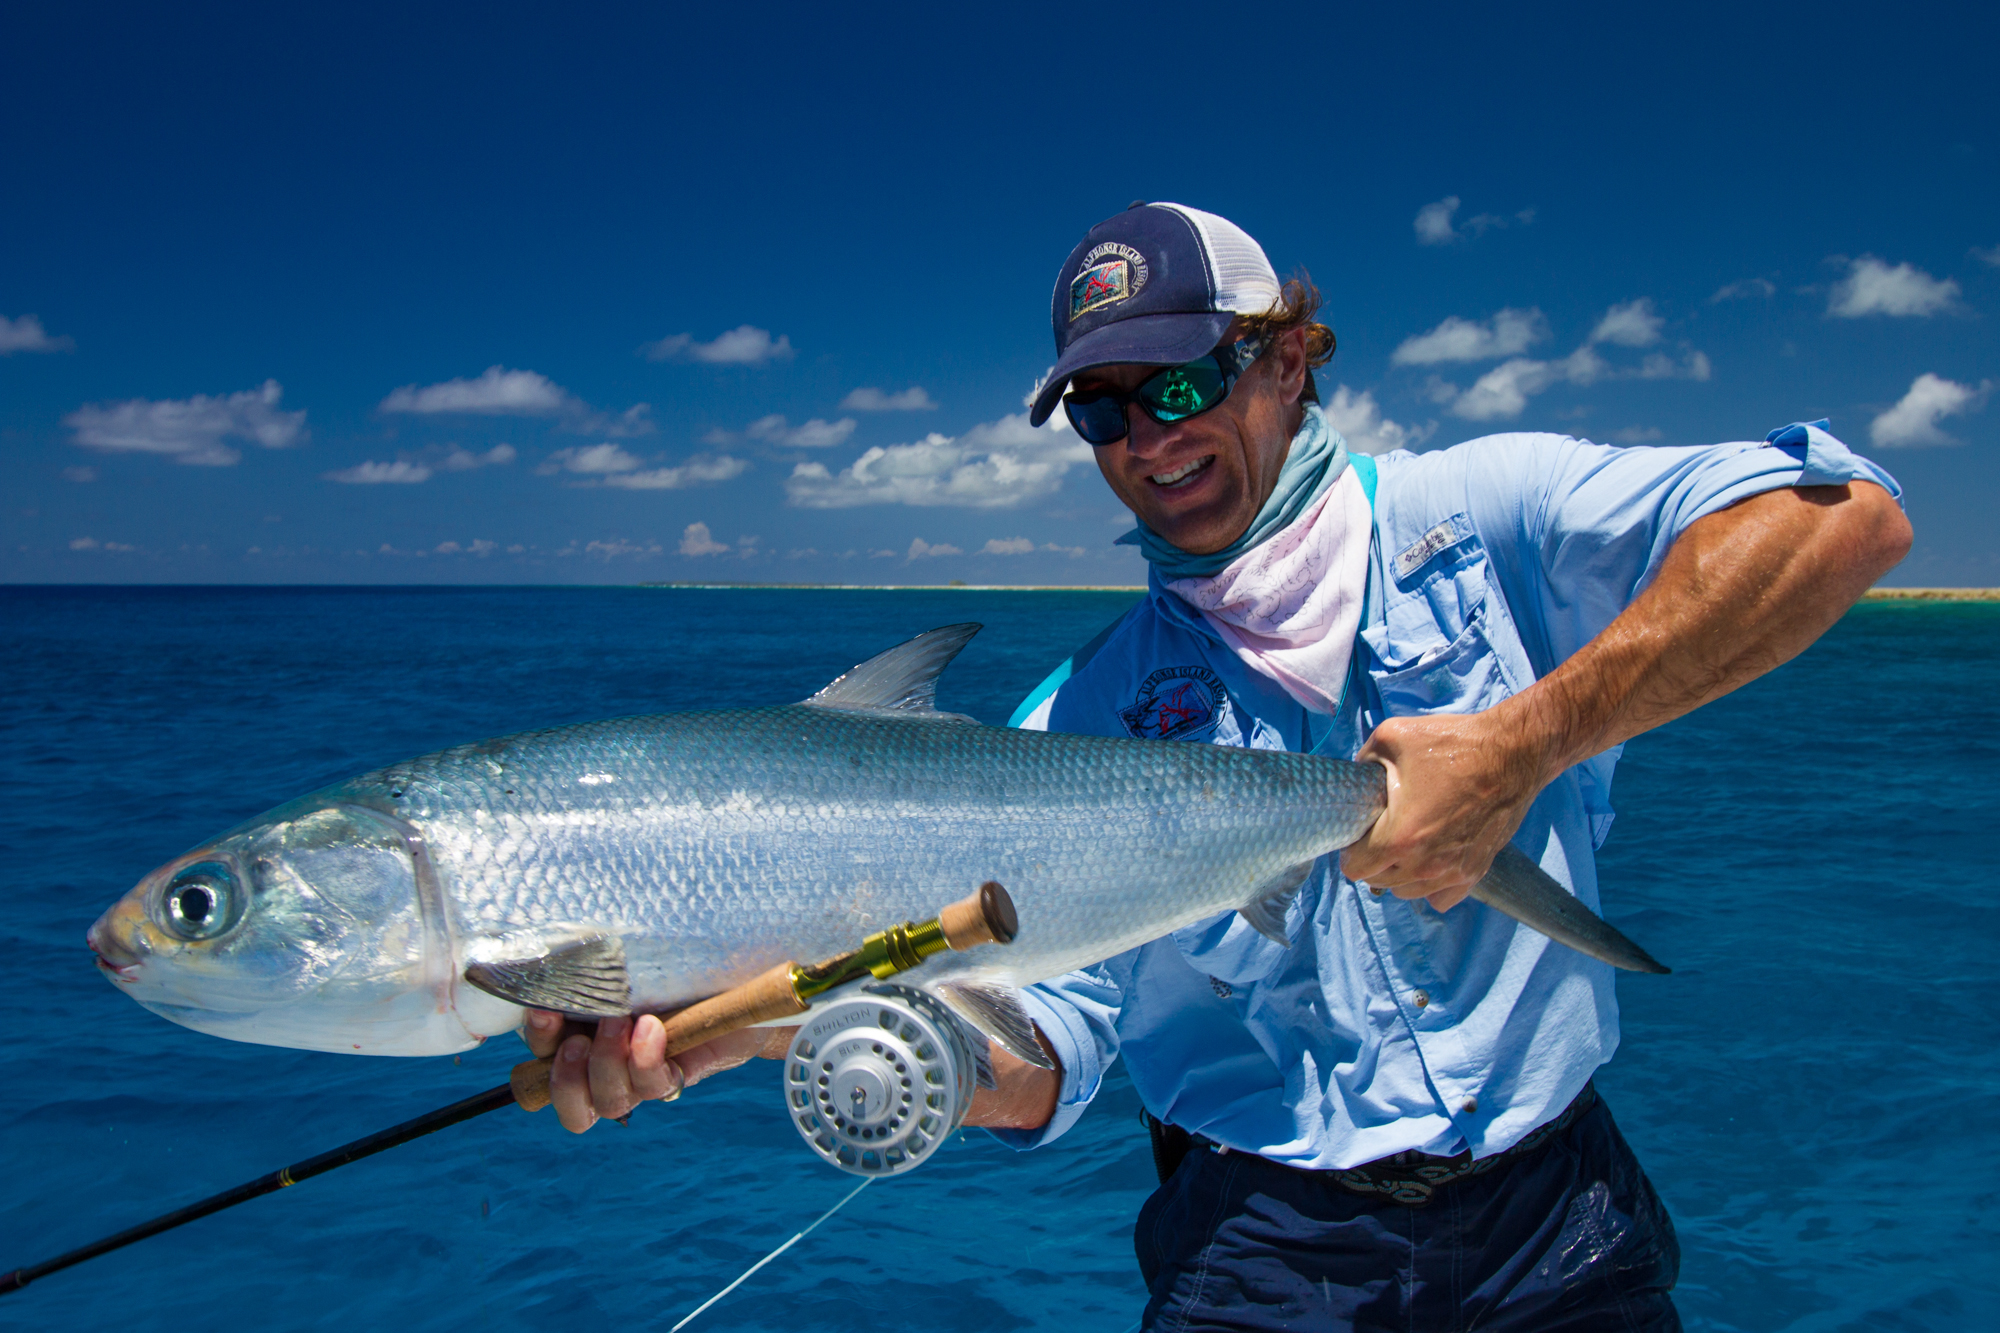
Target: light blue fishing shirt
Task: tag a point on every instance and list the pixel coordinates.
(1386, 1025)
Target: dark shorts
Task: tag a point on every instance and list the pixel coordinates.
(1568, 1238)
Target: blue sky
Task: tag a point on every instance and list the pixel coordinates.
(501, 294)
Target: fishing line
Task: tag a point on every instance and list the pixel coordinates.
(769, 1257)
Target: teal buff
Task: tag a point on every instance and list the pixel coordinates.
(1317, 458)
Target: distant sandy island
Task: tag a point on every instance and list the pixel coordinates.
(1931, 595)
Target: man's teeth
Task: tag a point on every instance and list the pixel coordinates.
(1184, 470)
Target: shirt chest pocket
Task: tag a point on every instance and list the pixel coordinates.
(1441, 644)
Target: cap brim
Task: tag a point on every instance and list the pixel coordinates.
(1143, 340)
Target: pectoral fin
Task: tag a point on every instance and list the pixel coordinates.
(576, 970)
(997, 1012)
(1270, 901)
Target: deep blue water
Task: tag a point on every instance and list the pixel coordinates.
(1814, 1089)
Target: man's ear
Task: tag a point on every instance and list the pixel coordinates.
(1290, 365)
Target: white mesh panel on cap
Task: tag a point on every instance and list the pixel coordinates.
(1244, 279)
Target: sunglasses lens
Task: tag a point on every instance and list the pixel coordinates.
(1098, 420)
(1180, 392)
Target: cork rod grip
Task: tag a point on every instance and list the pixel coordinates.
(764, 997)
(987, 917)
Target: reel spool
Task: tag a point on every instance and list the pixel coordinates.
(875, 1081)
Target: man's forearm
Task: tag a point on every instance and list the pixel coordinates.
(1741, 592)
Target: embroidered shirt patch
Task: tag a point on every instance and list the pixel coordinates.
(1175, 702)
(1448, 533)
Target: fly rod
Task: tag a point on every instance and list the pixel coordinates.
(787, 990)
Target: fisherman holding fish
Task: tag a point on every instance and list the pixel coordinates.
(1390, 1122)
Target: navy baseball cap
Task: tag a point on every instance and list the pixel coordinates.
(1156, 285)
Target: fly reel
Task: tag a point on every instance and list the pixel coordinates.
(875, 1081)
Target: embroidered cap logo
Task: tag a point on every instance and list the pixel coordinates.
(1111, 273)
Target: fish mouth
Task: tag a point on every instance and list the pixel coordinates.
(1179, 476)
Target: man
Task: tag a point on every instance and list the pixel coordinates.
(1390, 1122)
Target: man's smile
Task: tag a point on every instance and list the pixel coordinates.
(1180, 475)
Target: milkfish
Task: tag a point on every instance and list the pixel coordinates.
(641, 864)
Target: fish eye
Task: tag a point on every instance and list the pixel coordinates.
(200, 902)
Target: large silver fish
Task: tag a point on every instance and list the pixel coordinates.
(643, 863)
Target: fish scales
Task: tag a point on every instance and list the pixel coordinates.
(811, 827)
(710, 846)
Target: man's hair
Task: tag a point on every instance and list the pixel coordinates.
(1295, 307)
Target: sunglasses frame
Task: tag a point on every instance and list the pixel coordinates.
(1231, 360)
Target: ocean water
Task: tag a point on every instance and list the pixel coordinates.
(1814, 1090)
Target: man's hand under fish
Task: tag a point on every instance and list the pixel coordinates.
(605, 1077)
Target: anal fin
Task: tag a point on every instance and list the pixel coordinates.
(584, 976)
(1270, 901)
(997, 1012)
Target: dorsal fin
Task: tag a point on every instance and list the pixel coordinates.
(902, 680)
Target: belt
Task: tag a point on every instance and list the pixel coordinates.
(1412, 1177)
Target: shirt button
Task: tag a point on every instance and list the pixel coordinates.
(1422, 998)
(1471, 1106)
(1372, 889)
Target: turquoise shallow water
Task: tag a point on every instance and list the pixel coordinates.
(1814, 1090)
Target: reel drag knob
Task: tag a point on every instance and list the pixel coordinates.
(875, 1081)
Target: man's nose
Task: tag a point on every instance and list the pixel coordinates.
(1145, 437)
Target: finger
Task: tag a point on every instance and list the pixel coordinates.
(1446, 899)
(569, 1085)
(542, 1031)
(725, 1052)
(654, 1077)
(610, 1068)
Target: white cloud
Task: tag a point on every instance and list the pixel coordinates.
(464, 460)
(1988, 255)
(1636, 435)
(1504, 390)
(410, 471)
(497, 392)
(190, 430)
(699, 470)
(1366, 430)
(1434, 222)
(745, 345)
(814, 434)
(1630, 325)
(1007, 546)
(1872, 287)
(992, 466)
(919, 548)
(400, 472)
(1736, 291)
(617, 546)
(80, 474)
(1913, 422)
(697, 540)
(92, 544)
(1509, 333)
(912, 399)
(26, 334)
(591, 460)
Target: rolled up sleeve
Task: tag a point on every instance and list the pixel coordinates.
(1596, 521)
